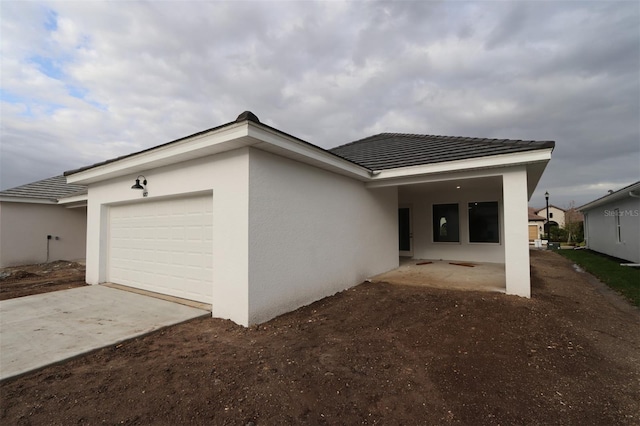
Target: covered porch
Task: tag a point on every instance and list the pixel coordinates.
(471, 226)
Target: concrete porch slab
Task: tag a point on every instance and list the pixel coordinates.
(448, 274)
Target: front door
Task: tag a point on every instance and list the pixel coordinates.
(405, 236)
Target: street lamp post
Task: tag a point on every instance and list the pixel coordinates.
(546, 197)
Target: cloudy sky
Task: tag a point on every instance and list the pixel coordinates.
(85, 81)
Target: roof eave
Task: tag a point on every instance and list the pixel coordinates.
(487, 162)
(79, 200)
(615, 196)
(229, 137)
(276, 142)
(30, 200)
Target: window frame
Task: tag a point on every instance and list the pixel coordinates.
(497, 219)
(433, 222)
(618, 228)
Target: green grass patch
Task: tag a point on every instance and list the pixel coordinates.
(623, 279)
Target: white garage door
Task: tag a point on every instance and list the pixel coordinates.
(163, 246)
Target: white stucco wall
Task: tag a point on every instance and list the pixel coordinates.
(313, 233)
(286, 233)
(225, 176)
(24, 228)
(421, 201)
(516, 236)
(601, 234)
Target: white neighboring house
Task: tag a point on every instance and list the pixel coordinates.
(257, 222)
(612, 223)
(38, 224)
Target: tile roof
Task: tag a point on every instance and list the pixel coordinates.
(50, 189)
(392, 150)
(533, 216)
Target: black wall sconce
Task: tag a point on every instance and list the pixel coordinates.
(143, 186)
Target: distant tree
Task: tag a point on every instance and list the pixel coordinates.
(557, 234)
(574, 224)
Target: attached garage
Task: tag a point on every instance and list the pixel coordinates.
(533, 232)
(256, 222)
(163, 246)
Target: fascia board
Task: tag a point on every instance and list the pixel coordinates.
(437, 177)
(76, 205)
(616, 196)
(305, 152)
(395, 176)
(228, 138)
(29, 200)
(225, 139)
(74, 199)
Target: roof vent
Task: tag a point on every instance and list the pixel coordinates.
(248, 115)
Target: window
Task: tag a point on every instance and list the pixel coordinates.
(550, 215)
(446, 223)
(483, 222)
(617, 216)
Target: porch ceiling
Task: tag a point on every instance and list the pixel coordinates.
(448, 186)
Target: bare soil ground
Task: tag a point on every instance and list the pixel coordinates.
(375, 354)
(18, 281)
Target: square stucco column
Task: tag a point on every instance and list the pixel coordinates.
(516, 238)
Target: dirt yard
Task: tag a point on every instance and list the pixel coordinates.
(26, 280)
(375, 354)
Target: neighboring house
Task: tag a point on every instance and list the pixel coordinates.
(257, 222)
(536, 225)
(612, 223)
(37, 225)
(556, 215)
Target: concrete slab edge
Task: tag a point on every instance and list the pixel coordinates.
(174, 299)
(92, 350)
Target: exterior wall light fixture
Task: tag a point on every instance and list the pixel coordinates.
(143, 186)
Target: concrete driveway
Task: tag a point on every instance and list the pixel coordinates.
(43, 329)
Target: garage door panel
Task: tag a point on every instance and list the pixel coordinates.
(164, 246)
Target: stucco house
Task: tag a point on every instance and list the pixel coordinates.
(536, 225)
(556, 215)
(612, 223)
(257, 222)
(42, 221)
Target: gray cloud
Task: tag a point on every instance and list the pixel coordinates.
(86, 81)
